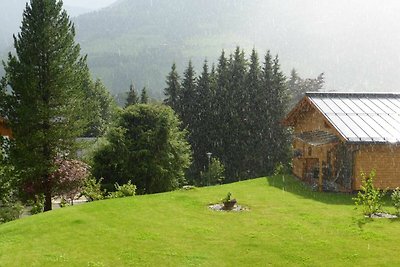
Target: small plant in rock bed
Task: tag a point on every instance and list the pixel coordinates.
(396, 200)
(369, 198)
(228, 202)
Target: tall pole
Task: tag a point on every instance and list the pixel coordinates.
(209, 154)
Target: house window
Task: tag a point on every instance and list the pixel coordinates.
(309, 151)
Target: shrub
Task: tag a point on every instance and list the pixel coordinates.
(147, 147)
(214, 174)
(396, 200)
(126, 190)
(92, 189)
(10, 211)
(369, 198)
(37, 204)
(10, 206)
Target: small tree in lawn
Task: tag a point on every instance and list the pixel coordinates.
(45, 97)
(369, 198)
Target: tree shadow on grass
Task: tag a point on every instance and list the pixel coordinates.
(292, 185)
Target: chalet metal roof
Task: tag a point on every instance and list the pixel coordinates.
(361, 117)
(317, 138)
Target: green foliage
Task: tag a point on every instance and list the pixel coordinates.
(10, 206)
(101, 107)
(214, 174)
(144, 98)
(298, 86)
(369, 198)
(173, 89)
(146, 147)
(37, 204)
(92, 189)
(45, 100)
(227, 198)
(234, 111)
(395, 196)
(132, 98)
(125, 190)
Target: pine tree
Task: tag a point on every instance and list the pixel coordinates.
(132, 97)
(102, 108)
(256, 118)
(187, 96)
(277, 141)
(202, 126)
(45, 106)
(173, 89)
(144, 99)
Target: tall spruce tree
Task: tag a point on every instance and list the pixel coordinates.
(277, 106)
(144, 98)
(187, 96)
(173, 89)
(132, 97)
(256, 118)
(44, 102)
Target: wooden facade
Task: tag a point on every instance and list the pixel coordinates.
(323, 155)
(4, 129)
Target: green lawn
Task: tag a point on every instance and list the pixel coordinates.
(290, 227)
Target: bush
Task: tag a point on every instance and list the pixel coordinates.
(369, 198)
(147, 147)
(92, 189)
(396, 200)
(37, 204)
(214, 174)
(10, 211)
(126, 190)
(10, 206)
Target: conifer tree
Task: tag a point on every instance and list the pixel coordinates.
(274, 83)
(102, 108)
(187, 96)
(256, 118)
(144, 99)
(173, 89)
(45, 103)
(132, 97)
(298, 86)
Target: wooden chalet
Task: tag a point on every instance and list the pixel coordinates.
(339, 135)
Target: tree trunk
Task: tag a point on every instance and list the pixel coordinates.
(47, 202)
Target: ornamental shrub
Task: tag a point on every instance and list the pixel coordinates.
(369, 198)
(125, 190)
(396, 200)
(214, 174)
(92, 189)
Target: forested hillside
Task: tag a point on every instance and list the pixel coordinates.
(139, 39)
(353, 42)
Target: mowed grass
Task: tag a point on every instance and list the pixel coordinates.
(287, 225)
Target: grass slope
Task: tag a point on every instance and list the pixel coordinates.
(291, 227)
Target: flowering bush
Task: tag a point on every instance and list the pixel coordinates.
(69, 178)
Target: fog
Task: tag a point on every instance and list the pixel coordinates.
(354, 42)
(89, 4)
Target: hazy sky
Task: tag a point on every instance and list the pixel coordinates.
(91, 4)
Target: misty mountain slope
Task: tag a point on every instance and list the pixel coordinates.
(353, 42)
